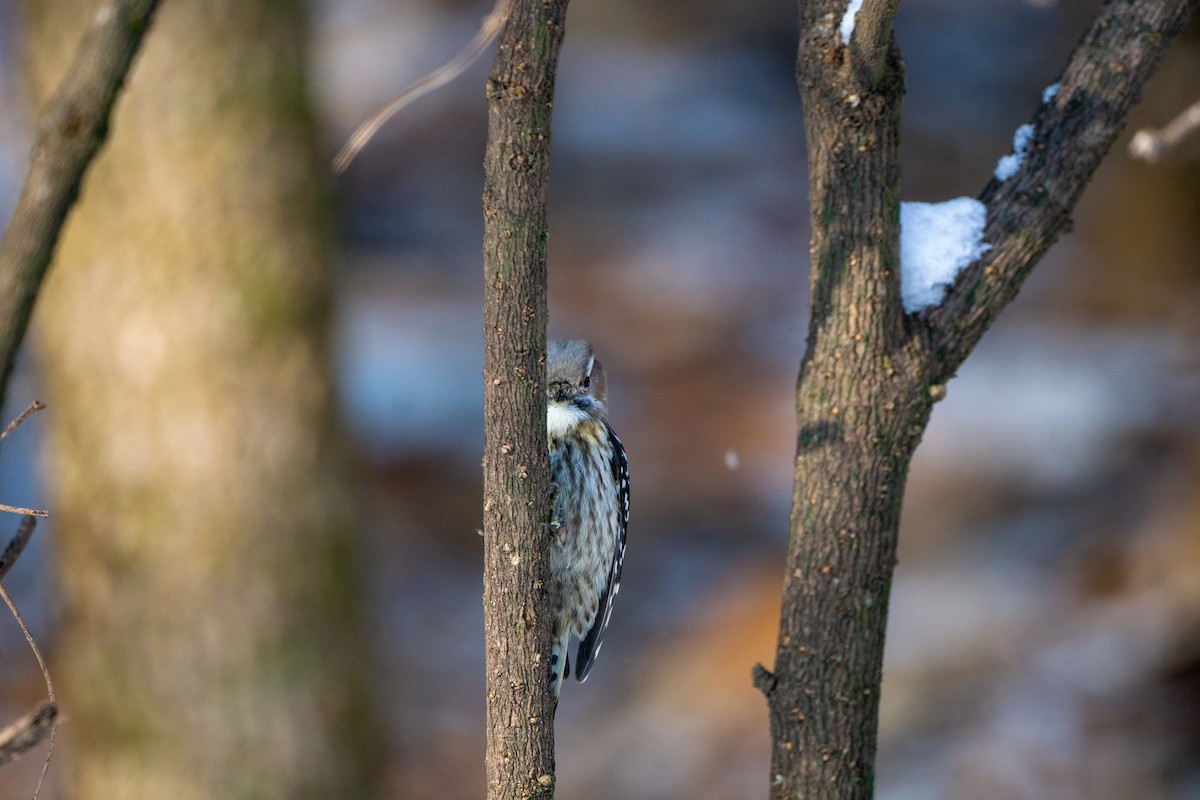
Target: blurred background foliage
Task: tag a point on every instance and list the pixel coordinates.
(1046, 611)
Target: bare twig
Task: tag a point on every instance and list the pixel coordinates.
(35, 406)
(1150, 145)
(71, 130)
(17, 545)
(51, 722)
(31, 728)
(33, 512)
(439, 77)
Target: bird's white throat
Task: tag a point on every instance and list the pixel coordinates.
(562, 417)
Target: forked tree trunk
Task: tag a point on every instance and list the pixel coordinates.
(871, 373)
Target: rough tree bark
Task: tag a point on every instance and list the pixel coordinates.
(516, 473)
(212, 641)
(71, 130)
(871, 373)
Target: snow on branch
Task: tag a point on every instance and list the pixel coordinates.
(937, 240)
(1008, 165)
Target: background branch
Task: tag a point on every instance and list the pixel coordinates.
(17, 545)
(26, 731)
(36, 512)
(71, 130)
(439, 77)
(1150, 144)
(30, 729)
(30, 410)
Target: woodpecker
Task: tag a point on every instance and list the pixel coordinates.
(591, 506)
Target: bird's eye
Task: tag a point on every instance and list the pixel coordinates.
(587, 381)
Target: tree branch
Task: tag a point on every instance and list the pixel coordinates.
(17, 545)
(873, 34)
(516, 470)
(1072, 133)
(30, 410)
(71, 130)
(31, 728)
(26, 731)
(1150, 145)
(439, 77)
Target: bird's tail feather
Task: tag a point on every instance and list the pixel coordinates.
(560, 666)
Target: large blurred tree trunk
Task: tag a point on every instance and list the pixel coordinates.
(212, 645)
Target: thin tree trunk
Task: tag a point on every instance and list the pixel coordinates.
(212, 642)
(516, 473)
(870, 373)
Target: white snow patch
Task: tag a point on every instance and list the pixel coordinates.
(937, 240)
(1050, 93)
(1008, 165)
(847, 26)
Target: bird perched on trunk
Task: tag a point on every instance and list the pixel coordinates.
(591, 505)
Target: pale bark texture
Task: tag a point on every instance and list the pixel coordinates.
(871, 373)
(212, 642)
(516, 471)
